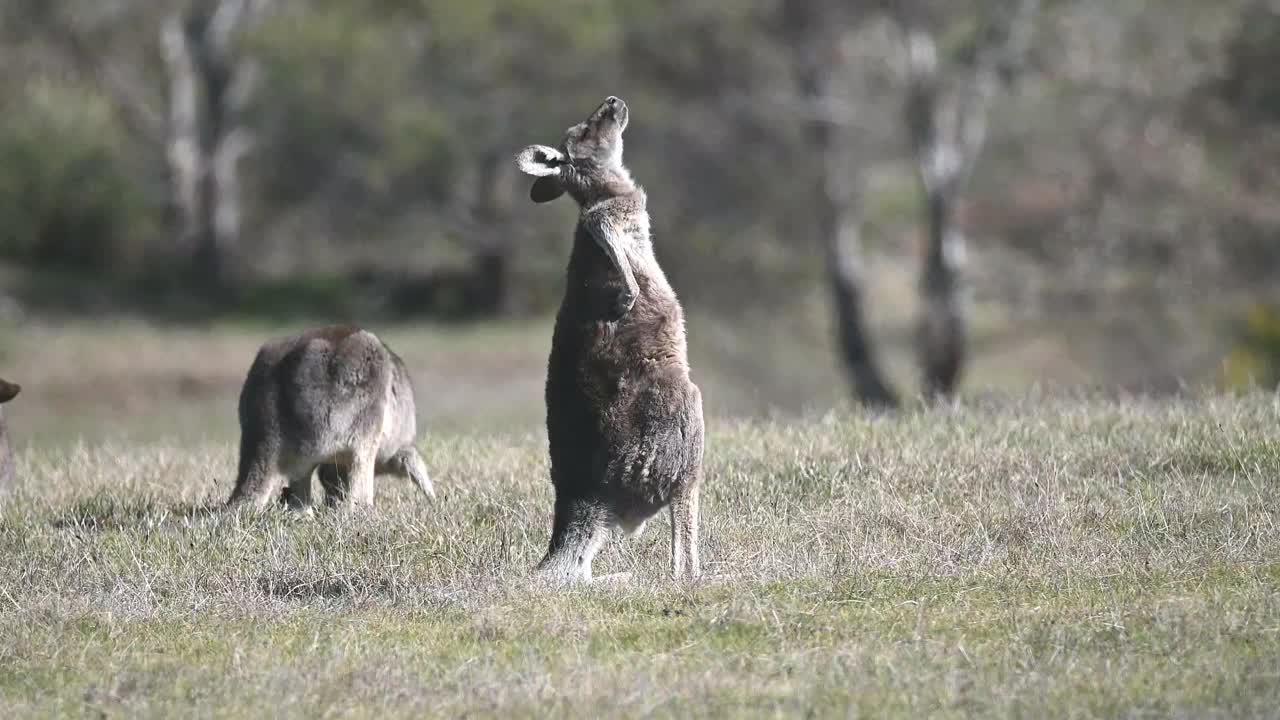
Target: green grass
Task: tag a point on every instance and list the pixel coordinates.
(1032, 557)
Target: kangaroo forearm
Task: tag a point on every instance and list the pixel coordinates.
(618, 258)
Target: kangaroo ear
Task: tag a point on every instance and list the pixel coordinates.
(546, 189)
(540, 161)
(8, 391)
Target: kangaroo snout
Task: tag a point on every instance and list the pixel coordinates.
(613, 108)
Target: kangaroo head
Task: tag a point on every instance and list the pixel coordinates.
(8, 391)
(588, 162)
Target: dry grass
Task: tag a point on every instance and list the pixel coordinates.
(1036, 557)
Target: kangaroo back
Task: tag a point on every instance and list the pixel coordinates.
(336, 397)
(333, 382)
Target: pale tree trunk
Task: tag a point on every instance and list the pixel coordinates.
(209, 86)
(820, 68)
(947, 129)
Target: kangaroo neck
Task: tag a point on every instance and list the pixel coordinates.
(592, 184)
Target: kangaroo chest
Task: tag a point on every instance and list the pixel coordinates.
(602, 364)
(599, 364)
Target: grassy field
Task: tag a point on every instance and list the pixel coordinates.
(1038, 556)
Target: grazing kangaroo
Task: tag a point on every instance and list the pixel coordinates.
(623, 418)
(8, 391)
(334, 398)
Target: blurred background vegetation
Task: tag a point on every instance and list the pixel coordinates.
(291, 161)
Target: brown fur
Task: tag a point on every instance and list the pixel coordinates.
(623, 417)
(8, 391)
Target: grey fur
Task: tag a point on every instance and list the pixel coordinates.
(624, 419)
(8, 391)
(334, 398)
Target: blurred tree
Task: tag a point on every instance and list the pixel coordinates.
(817, 30)
(210, 84)
(945, 115)
(790, 147)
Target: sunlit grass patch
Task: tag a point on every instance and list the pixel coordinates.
(1042, 556)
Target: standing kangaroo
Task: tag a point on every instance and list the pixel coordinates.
(623, 418)
(8, 391)
(334, 398)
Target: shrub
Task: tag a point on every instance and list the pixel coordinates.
(1256, 360)
(66, 193)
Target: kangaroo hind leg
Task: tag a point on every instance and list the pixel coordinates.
(361, 473)
(579, 529)
(335, 482)
(259, 477)
(297, 494)
(684, 534)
